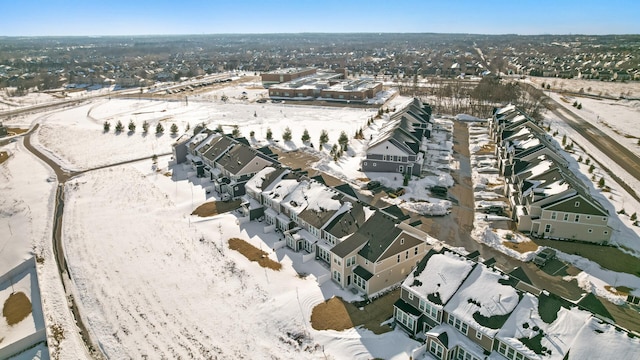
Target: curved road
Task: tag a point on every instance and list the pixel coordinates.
(62, 177)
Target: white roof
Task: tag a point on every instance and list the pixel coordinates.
(482, 293)
(599, 340)
(557, 337)
(255, 183)
(312, 195)
(442, 274)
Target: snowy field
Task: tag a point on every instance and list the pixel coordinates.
(155, 281)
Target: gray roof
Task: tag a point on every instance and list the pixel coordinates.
(218, 147)
(348, 222)
(238, 157)
(586, 206)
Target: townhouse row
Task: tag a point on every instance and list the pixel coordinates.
(466, 310)
(365, 248)
(401, 143)
(547, 198)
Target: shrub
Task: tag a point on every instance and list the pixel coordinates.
(269, 134)
(252, 134)
(106, 126)
(633, 217)
(119, 126)
(159, 129)
(601, 182)
(174, 129)
(132, 126)
(236, 131)
(145, 126)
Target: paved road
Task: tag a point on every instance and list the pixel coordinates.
(618, 153)
(62, 177)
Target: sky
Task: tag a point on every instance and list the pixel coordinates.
(159, 17)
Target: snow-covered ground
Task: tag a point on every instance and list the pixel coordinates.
(154, 280)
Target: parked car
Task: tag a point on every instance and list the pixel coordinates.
(439, 190)
(544, 256)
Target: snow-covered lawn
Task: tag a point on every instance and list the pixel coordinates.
(154, 281)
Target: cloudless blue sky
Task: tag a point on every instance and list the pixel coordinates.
(148, 17)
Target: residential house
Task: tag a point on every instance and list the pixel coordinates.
(547, 198)
(401, 143)
(463, 309)
(380, 254)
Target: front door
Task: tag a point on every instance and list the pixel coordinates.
(348, 280)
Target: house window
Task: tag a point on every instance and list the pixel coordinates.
(375, 164)
(336, 275)
(606, 232)
(402, 241)
(604, 219)
(547, 228)
(428, 310)
(554, 215)
(415, 251)
(360, 282)
(456, 323)
(410, 295)
(478, 335)
(577, 204)
(464, 355)
(398, 258)
(365, 163)
(588, 217)
(351, 261)
(565, 217)
(577, 218)
(590, 231)
(405, 319)
(406, 254)
(436, 349)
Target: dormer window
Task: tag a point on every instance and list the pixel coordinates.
(577, 204)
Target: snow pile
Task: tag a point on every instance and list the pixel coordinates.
(440, 208)
(595, 279)
(497, 237)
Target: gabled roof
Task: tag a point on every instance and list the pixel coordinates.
(347, 222)
(585, 206)
(484, 300)
(543, 327)
(218, 147)
(239, 157)
(599, 340)
(440, 276)
(380, 228)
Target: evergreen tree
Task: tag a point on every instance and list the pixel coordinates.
(252, 134)
(145, 126)
(601, 182)
(174, 129)
(219, 129)
(236, 131)
(324, 137)
(106, 126)
(119, 126)
(305, 136)
(634, 217)
(132, 126)
(591, 168)
(159, 129)
(269, 134)
(564, 140)
(286, 136)
(343, 140)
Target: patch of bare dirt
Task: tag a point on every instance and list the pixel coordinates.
(254, 254)
(521, 247)
(216, 207)
(16, 131)
(336, 314)
(16, 308)
(4, 156)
